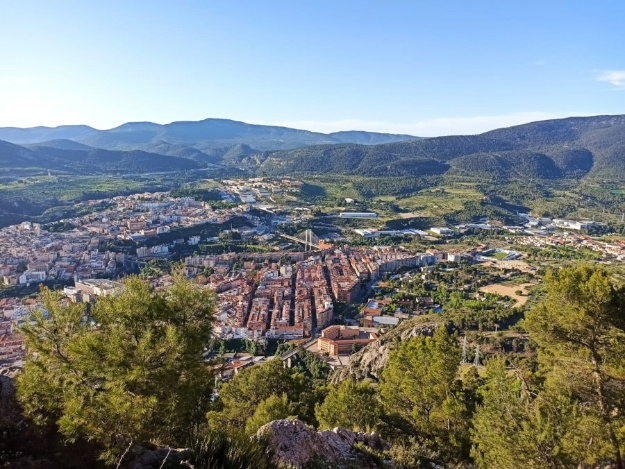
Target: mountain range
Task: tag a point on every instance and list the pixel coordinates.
(562, 148)
(207, 133)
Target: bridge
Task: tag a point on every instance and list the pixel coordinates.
(307, 238)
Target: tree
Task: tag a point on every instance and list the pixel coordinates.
(580, 331)
(272, 408)
(239, 398)
(522, 424)
(441, 295)
(311, 365)
(349, 405)
(456, 299)
(130, 372)
(420, 393)
(251, 347)
(499, 425)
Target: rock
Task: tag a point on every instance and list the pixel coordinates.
(154, 458)
(371, 359)
(295, 445)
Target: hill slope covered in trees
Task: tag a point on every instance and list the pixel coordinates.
(90, 160)
(556, 149)
(564, 148)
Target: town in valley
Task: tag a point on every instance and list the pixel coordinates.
(326, 287)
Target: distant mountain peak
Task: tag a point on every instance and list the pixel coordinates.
(135, 126)
(197, 134)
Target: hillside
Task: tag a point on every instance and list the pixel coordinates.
(180, 150)
(373, 358)
(42, 134)
(555, 149)
(207, 133)
(14, 156)
(61, 144)
(368, 138)
(90, 160)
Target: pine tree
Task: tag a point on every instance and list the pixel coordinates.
(580, 330)
(130, 372)
(349, 405)
(272, 408)
(421, 395)
(240, 398)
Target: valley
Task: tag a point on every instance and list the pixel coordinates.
(323, 268)
(563, 168)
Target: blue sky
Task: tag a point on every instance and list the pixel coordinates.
(419, 67)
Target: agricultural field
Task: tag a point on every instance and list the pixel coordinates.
(66, 188)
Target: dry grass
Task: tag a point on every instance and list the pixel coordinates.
(509, 290)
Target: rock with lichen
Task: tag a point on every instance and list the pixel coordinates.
(295, 445)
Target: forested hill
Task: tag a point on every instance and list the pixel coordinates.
(573, 147)
(564, 148)
(200, 135)
(90, 160)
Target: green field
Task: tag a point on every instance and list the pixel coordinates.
(329, 187)
(500, 255)
(435, 202)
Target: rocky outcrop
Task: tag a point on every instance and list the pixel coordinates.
(155, 458)
(369, 362)
(295, 445)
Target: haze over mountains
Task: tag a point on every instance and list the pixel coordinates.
(563, 148)
(205, 133)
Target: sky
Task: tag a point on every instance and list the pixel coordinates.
(418, 67)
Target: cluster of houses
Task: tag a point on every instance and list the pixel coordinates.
(12, 312)
(141, 216)
(614, 250)
(250, 190)
(270, 296)
(31, 254)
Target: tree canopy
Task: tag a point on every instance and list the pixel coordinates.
(421, 395)
(350, 405)
(130, 370)
(580, 329)
(569, 411)
(241, 398)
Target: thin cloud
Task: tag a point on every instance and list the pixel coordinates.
(614, 77)
(427, 127)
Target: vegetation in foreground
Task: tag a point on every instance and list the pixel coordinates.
(132, 374)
